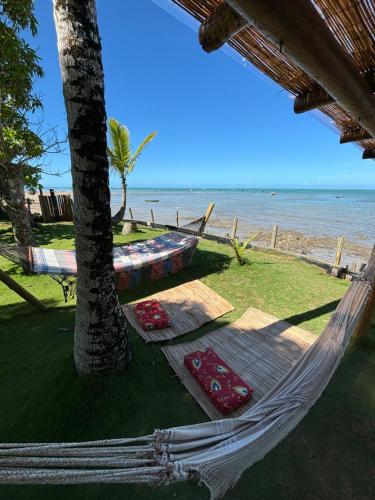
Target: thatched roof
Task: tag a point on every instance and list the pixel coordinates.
(352, 23)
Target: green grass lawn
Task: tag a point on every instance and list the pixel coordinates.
(327, 456)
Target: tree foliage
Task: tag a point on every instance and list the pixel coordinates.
(19, 65)
(240, 247)
(120, 155)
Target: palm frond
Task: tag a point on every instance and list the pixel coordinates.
(119, 153)
(239, 248)
(139, 150)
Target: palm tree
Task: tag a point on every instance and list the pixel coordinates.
(100, 337)
(121, 158)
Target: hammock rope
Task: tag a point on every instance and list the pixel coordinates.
(118, 217)
(216, 452)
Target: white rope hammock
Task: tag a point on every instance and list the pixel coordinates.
(216, 452)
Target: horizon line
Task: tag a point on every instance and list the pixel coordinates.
(233, 188)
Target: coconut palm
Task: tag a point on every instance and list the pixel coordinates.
(121, 157)
(100, 338)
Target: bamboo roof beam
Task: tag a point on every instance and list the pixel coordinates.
(305, 38)
(319, 97)
(312, 100)
(368, 154)
(219, 27)
(224, 22)
(353, 135)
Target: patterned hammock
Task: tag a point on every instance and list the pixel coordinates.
(134, 264)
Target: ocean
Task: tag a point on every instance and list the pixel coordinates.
(315, 212)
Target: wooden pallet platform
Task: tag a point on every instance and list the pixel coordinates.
(259, 347)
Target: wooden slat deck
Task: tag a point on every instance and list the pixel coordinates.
(259, 347)
(189, 306)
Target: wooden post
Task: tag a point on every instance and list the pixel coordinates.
(152, 217)
(28, 202)
(209, 212)
(369, 276)
(234, 230)
(275, 229)
(131, 213)
(55, 206)
(21, 291)
(205, 218)
(339, 248)
(177, 218)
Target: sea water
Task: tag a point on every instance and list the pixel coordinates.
(316, 212)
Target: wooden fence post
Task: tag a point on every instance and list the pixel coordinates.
(234, 229)
(339, 249)
(152, 217)
(55, 205)
(177, 218)
(275, 229)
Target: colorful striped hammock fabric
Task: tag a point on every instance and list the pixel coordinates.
(126, 258)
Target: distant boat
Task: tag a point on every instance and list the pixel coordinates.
(338, 196)
(151, 201)
(273, 194)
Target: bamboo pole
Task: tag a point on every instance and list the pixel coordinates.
(21, 291)
(234, 229)
(131, 213)
(209, 212)
(177, 218)
(312, 100)
(309, 43)
(368, 154)
(152, 217)
(352, 135)
(275, 230)
(339, 249)
(219, 27)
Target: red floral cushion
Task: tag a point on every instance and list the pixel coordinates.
(225, 388)
(151, 315)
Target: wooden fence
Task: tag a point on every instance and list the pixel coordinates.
(56, 207)
(335, 258)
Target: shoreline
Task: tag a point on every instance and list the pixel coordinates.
(321, 245)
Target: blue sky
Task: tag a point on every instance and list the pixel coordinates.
(219, 123)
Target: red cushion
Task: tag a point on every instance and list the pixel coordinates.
(151, 315)
(225, 388)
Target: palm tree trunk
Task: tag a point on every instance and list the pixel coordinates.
(100, 338)
(123, 200)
